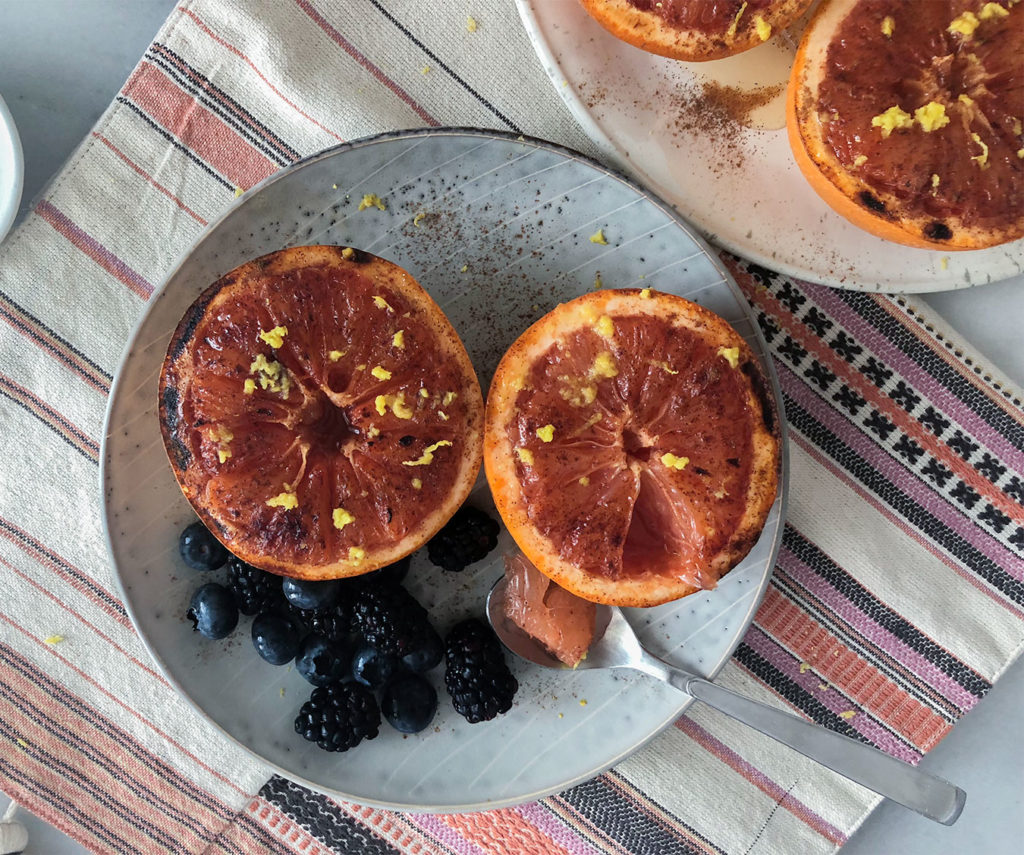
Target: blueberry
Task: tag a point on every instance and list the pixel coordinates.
(409, 703)
(427, 654)
(276, 637)
(213, 611)
(392, 573)
(304, 594)
(322, 662)
(200, 550)
(373, 668)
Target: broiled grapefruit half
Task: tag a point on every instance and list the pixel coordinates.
(906, 118)
(631, 446)
(695, 30)
(320, 412)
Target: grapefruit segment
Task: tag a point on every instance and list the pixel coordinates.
(628, 447)
(294, 391)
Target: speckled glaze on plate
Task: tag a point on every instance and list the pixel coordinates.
(504, 236)
(740, 187)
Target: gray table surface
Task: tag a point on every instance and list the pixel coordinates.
(57, 96)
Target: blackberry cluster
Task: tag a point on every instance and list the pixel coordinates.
(339, 716)
(254, 590)
(477, 678)
(389, 618)
(466, 538)
(334, 624)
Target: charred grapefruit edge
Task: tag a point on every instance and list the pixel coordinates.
(500, 470)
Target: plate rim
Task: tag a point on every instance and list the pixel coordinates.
(9, 134)
(621, 157)
(781, 501)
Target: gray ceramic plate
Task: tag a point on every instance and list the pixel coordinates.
(504, 237)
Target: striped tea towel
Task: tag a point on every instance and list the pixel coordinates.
(906, 452)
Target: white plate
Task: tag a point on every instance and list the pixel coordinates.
(518, 215)
(741, 187)
(11, 169)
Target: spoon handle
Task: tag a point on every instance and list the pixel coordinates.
(909, 786)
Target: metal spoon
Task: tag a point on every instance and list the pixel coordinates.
(619, 647)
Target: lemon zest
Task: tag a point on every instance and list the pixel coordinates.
(888, 26)
(448, 398)
(730, 354)
(372, 200)
(965, 99)
(380, 373)
(381, 303)
(356, 554)
(664, 366)
(249, 386)
(860, 160)
(274, 337)
(584, 481)
(848, 714)
(417, 484)
(598, 282)
(673, 462)
(19, 740)
(335, 355)
(964, 24)
(980, 159)
(238, 192)
(442, 415)
(935, 182)
(1020, 153)
(598, 237)
(381, 403)
(763, 28)
(525, 455)
(53, 639)
(361, 367)
(373, 432)
(604, 366)
(398, 339)
(417, 218)
(605, 327)
(341, 518)
(347, 253)
(992, 10)
(424, 393)
(271, 375)
(288, 501)
(464, 268)
(546, 433)
(892, 119)
(645, 294)
(944, 262)
(731, 32)
(427, 457)
(931, 116)
(471, 24)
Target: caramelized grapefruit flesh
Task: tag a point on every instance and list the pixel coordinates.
(628, 448)
(907, 118)
(320, 412)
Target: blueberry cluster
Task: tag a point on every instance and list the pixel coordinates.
(356, 640)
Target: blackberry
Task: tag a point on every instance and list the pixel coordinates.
(255, 590)
(477, 678)
(334, 624)
(390, 619)
(339, 717)
(466, 538)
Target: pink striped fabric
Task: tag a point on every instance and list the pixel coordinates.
(901, 438)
